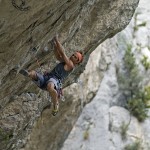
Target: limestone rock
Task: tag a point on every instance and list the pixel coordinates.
(105, 124)
(26, 25)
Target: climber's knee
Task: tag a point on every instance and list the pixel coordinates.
(33, 75)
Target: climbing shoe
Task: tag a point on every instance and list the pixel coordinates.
(55, 110)
(24, 72)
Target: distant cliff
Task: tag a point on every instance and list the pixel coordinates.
(82, 25)
(107, 123)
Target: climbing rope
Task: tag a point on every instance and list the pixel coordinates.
(22, 6)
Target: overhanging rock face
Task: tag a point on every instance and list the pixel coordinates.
(81, 24)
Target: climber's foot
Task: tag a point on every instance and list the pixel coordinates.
(24, 72)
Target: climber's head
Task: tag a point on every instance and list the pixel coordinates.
(77, 57)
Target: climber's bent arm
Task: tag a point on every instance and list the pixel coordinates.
(61, 52)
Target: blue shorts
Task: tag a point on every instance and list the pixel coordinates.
(43, 80)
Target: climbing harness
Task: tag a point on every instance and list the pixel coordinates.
(59, 85)
(60, 91)
(22, 6)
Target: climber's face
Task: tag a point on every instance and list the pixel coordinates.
(77, 57)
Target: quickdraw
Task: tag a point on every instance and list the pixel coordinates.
(60, 90)
(22, 6)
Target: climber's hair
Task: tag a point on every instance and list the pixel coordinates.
(80, 56)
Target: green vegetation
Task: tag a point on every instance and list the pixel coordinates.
(124, 128)
(131, 83)
(5, 136)
(86, 135)
(136, 95)
(141, 104)
(145, 62)
(134, 146)
(138, 108)
(143, 24)
(139, 47)
(136, 26)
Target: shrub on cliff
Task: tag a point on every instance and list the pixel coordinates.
(136, 94)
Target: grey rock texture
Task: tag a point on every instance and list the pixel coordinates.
(76, 96)
(82, 25)
(94, 120)
(99, 127)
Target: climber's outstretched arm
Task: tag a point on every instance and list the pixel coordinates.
(57, 46)
(61, 52)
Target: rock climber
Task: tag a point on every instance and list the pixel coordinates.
(51, 81)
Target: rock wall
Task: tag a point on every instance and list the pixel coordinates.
(104, 122)
(81, 25)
